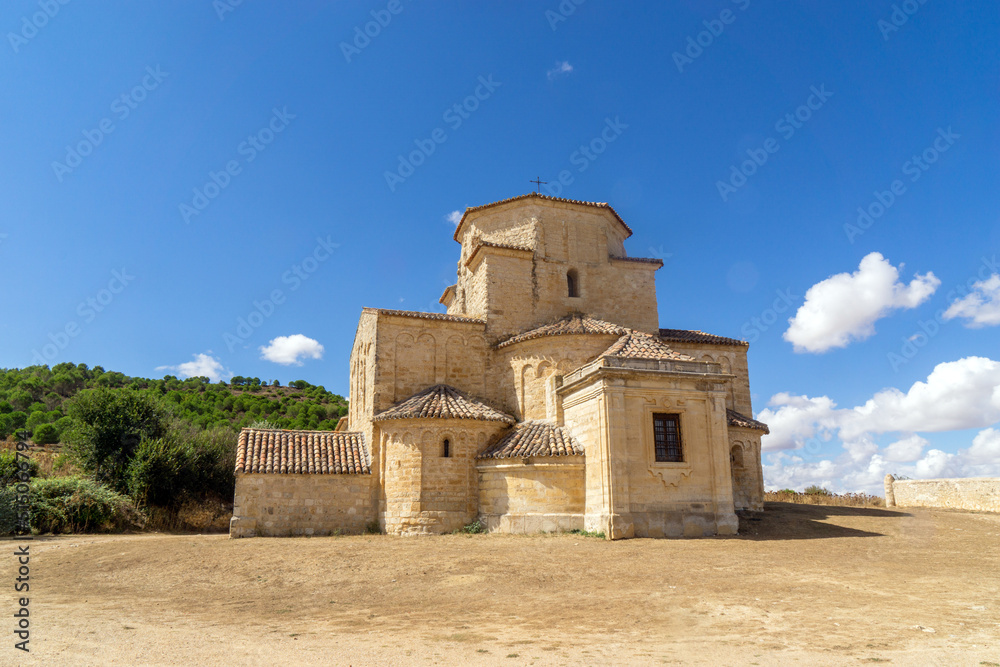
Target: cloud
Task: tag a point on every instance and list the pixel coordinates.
(561, 68)
(287, 350)
(845, 307)
(985, 448)
(202, 366)
(980, 308)
(906, 450)
(957, 395)
(454, 217)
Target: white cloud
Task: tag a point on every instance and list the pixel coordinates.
(906, 450)
(985, 448)
(561, 68)
(845, 307)
(981, 307)
(288, 350)
(454, 217)
(203, 365)
(957, 395)
(797, 419)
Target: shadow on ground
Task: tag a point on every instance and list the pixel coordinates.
(792, 521)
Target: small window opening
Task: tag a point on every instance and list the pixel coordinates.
(446, 448)
(573, 283)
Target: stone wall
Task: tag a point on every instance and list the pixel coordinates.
(517, 290)
(612, 413)
(425, 491)
(733, 360)
(546, 494)
(981, 494)
(284, 505)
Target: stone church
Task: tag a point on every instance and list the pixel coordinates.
(547, 398)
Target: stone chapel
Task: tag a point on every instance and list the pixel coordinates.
(546, 398)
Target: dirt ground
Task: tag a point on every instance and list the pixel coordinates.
(810, 585)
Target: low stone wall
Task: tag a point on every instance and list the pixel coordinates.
(284, 505)
(538, 496)
(981, 494)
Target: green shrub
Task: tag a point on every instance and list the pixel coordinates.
(816, 491)
(473, 528)
(166, 471)
(8, 515)
(10, 467)
(45, 434)
(77, 505)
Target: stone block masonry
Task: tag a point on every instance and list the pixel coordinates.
(980, 494)
(287, 505)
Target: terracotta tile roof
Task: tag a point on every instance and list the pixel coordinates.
(491, 244)
(533, 438)
(695, 336)
(742, 421)
(571, 324)
(642, 260)
(301, 452)
(536, 195)
(639, 345)
(443, 402)
(425, 316)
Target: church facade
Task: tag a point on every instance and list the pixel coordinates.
(546, 398)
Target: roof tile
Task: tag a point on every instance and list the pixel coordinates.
(695, 336)
(639, 345)
(571, 324)
(534, 438)
(443, 402)
(734, 418)
(273, 451)
(537, 195)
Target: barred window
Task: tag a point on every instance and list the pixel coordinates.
(667, 438)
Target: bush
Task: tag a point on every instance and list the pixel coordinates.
(74, 504)
(46, 434)
(816, 491)
(9, 467)
(112, 424)
(167, 471)
(8, 515)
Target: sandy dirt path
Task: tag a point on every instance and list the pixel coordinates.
(810, 585)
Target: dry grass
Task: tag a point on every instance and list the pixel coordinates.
(840, 500)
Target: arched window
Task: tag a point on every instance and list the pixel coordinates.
(573, 283)
(446, 448)
(736, 456)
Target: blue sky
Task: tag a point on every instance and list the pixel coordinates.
(170, 164)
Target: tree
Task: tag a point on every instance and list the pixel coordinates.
(112, 423)
(45, 434)
(36, 418)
